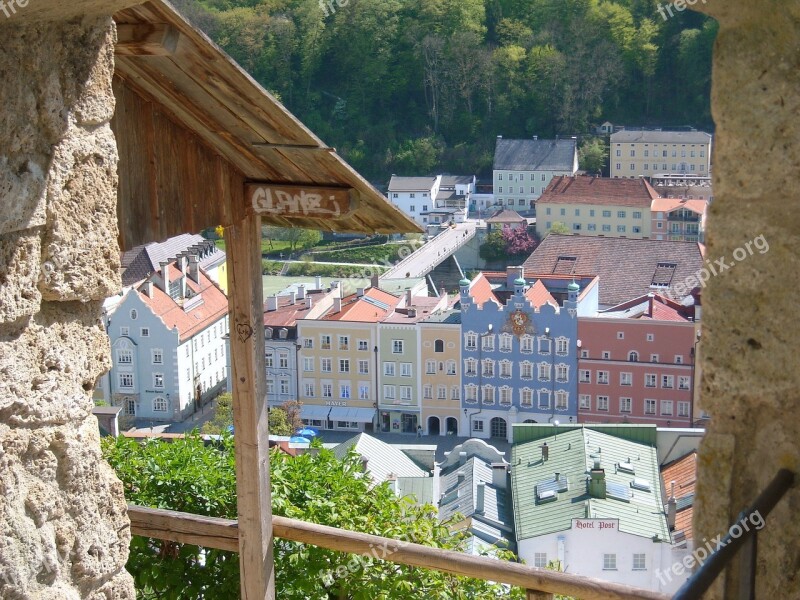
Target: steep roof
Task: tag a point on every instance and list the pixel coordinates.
(534, 155)
(538, 295)
(571, 455)
(480, 290)
(696, 205)
(411, 184)
(207, 304)
(453, 180)
(582, 189)
(506, 215)
(653, 307)
(661, 137)
(374, 306)
(142, 261)
(627, 268)
(683, 472)
(287, 313)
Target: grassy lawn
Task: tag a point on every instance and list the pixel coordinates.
(276, 246)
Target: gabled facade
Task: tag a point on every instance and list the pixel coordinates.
(519, 358)
(440, 360)
(415, 195)
(636, 364)
(679, 220)
(168, 343)
(524, 168)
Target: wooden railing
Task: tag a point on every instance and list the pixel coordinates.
(223, 534)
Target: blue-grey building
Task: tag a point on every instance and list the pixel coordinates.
(520, 350)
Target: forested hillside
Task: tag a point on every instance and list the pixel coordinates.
(419, 86)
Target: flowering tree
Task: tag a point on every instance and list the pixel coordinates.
(518, 241)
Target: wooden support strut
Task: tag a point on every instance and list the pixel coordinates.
(146, 39)
(249, 407)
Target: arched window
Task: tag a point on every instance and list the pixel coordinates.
(438, 346)
(633, 357)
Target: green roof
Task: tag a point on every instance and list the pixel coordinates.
(519, 281)
(572, 453)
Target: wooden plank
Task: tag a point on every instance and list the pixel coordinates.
(306, 201)
(534, 595)
(184, 528)
(146, 39)
(243, 246)
(405, 553)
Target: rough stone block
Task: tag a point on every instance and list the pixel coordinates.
(80, 250)
(20, 256)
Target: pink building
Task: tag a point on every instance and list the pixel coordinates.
(636, 364)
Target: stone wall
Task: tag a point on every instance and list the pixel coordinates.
(64, 532)
(751, 379)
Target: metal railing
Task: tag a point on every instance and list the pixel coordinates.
(697, 584)
(223, 534)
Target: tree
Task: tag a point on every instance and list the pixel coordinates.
(297, 238)
(223, 416)
(494, 248)
(559, 228)
(190, 476)
(518, 242)
(285, 419)
(592, 156)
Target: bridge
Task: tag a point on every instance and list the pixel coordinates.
(422, 262)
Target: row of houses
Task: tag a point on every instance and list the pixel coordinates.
(542, 342)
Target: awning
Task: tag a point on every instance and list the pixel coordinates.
(354, 415)
(314, 411)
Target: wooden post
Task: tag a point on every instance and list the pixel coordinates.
(248, 374)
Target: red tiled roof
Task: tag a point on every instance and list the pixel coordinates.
(669, 204)
(362, 310)
(506, 215)
(625, 266)
(658, 308)
(213, 306)
(683, 472)
(287, 314)
(480, 290)
(582, 189)
(538, 295)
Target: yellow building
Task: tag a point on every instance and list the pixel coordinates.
(597, 206)
(646, 153)
(440, 361)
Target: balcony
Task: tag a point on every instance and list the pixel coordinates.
(684, 218)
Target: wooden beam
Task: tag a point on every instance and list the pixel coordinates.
(146, 39)
(538, 583)
(243, 246)
(184, 528)
(299, 201)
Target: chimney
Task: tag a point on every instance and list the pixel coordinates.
(479, 499)
(301, 291)
(461, 477)
(536, 138)
(360, 292)
(318, 282)
(412, 312)
(672, 507)
(500, 476)
(165, 277)
(408, 297)
(375, 281)
(337, 304)
(148, 288)
(292, 297)
(194, 268)
(462, 457)
(545, 452)
(182, 263)
(499, 137)
(309, 302)
(597, 481)
(272, 303)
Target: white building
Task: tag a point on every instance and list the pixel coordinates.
(414, 195)
(168, 343)
(524, 168)
(646, 153)
(589, 498)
